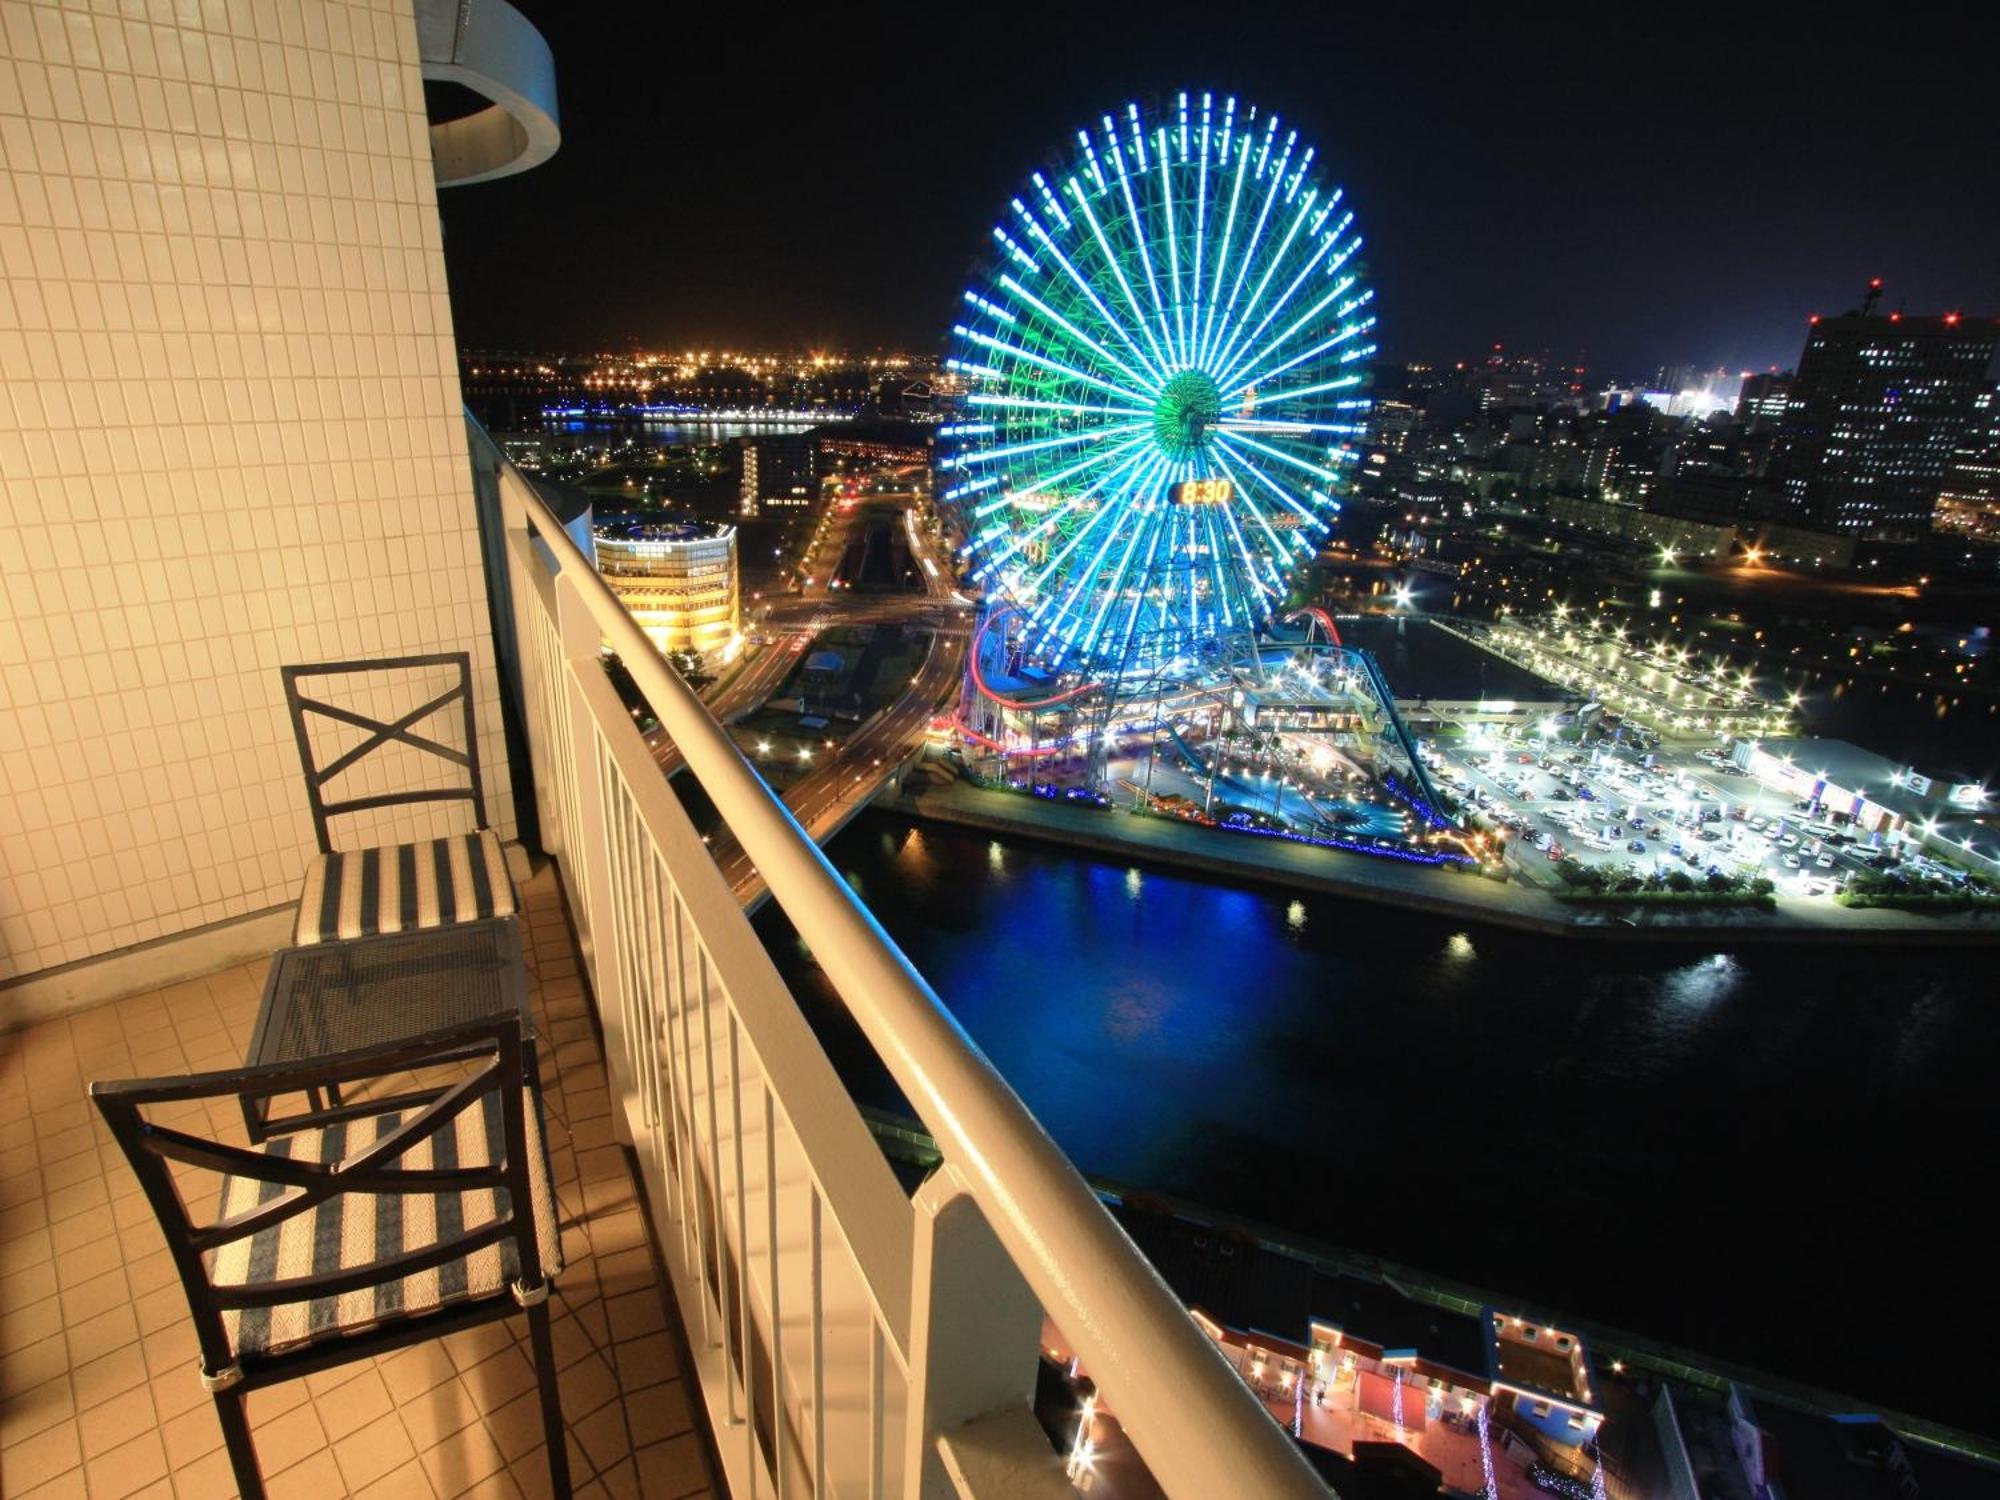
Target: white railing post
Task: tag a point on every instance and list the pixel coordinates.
(525, 581)
(975, 1335)
(597, 924)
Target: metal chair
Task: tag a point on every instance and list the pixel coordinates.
(377, 1226)
(395, 887)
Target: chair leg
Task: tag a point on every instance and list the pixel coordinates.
(254, 1110)
(552, 1417)
(236, 1438)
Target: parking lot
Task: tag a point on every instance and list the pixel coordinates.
(1688, 811)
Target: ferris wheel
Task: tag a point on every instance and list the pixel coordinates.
(1164, 366)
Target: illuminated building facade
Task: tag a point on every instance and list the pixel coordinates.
(1970, 500)
(677, 578)
(1760, 405)
(1878, 409)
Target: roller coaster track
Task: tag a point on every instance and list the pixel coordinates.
(1186, 751)
(1379, 685)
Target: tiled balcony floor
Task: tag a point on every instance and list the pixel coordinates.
(98, 1391)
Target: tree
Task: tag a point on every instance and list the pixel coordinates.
(1574, 872)
(688, 666)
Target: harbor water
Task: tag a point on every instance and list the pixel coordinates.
(1777, 1155)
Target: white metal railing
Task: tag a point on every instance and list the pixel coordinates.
(850, 1341)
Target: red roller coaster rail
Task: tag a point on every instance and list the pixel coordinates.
(979, 677)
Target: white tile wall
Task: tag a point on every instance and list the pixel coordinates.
(230, 438)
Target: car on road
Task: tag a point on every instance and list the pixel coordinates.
(1585, 794)
(1792, 862)
(1637, 846)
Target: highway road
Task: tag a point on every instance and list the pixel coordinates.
(788, 623)
(822, 800)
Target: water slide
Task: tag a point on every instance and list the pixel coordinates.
(1379, 686)
(1186, 751)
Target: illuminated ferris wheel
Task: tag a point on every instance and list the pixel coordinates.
(1165, 375)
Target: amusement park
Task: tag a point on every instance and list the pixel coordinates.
(1164, 384)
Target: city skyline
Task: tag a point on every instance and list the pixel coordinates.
(832, 187)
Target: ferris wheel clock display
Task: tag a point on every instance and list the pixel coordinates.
(1164, 372)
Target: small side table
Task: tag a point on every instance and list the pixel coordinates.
(329, 998)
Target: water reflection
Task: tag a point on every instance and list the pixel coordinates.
(1666, 1140)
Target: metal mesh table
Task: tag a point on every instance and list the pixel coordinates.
(326, 999)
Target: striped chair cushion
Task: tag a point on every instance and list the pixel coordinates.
(351, 1230)
(404, 887)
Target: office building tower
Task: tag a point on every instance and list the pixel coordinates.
(1877, 411)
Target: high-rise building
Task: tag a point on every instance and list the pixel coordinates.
(1760, 405)
(778, 471)
(1877, 410)
(1970, 499)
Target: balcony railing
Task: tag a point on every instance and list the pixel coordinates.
(850, 1340)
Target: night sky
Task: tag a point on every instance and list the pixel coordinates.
(1626, 186)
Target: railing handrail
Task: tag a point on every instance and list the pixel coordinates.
(1195, 1423)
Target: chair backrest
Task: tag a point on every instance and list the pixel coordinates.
(384, 674)
(158, 1123)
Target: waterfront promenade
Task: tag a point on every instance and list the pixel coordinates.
(1116, 835)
